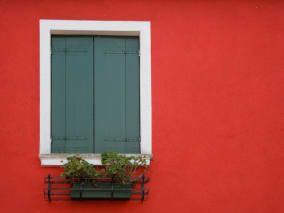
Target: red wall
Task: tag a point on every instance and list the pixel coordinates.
(218, 105)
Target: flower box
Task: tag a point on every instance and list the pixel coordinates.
(101, 190)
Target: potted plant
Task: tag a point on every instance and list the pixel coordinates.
(113, 181)
(81, 175)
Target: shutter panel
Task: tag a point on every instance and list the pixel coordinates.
(58, 127)
(77, 97)
(117, 95)
(132, 91)
(79, 94)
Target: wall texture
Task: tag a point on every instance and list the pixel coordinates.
(218, 104)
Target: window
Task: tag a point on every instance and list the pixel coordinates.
(95, 90)
(95, 94)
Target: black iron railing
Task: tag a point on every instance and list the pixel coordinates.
(60, 188)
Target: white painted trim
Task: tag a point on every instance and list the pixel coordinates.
(119, 28)
(95, 159)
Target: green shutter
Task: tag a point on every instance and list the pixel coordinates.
(117, 94)
(72, 94)
(95, 91)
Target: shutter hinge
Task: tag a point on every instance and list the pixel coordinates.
(122, 139)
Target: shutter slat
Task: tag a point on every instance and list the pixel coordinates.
(109, 93)
(58, 119)
(132, 91)
(79, 95)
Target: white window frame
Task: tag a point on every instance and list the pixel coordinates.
(76, 27)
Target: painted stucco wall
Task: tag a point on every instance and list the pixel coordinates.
(218, 105)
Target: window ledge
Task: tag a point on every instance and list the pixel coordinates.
(95, 159)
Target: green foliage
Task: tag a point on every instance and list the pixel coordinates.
(79, 169)
(119, 167)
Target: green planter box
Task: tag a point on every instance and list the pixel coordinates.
(101, 194)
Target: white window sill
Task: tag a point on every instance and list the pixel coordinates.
(95, 159)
